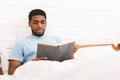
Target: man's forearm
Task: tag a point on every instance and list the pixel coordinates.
(11, 71)
(13, 64)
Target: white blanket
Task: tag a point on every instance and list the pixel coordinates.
(96, 63)
(36, 70)
(104, 69)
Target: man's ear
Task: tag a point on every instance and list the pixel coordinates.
(29, 24)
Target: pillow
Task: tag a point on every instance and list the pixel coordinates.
(94, 52)
(4, 59)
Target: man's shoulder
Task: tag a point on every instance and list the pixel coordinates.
(45, 37)
(24, 39)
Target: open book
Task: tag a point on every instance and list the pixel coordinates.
(56, 52)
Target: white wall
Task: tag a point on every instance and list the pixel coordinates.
(85, 21)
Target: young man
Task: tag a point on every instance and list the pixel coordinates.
(25, 49)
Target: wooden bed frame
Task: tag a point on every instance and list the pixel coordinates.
(0, 67)
(1, 71)
(91, 45)
(83, 46)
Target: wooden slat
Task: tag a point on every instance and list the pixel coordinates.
(1, 71)
(0, 68)
(91, 45)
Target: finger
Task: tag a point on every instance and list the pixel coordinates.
(43, 58)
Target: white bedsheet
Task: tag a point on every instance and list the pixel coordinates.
(96, 63)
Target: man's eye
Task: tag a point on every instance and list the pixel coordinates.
(35, 22)
(43, 22)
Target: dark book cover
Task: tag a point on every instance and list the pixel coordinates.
(54, 52)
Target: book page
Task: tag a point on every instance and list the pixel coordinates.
(59, 44)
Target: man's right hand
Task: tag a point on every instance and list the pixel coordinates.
(39, 58)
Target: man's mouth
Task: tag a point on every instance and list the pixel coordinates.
(39, 30)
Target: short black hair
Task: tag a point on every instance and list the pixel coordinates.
(36, 12)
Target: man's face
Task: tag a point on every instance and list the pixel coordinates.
(38, 25)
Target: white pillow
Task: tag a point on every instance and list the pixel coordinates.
(4, 59)
(94, 53)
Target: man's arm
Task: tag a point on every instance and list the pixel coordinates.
(13, 64)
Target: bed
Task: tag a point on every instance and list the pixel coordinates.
(91, 62)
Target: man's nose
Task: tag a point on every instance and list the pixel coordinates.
(39, 24)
